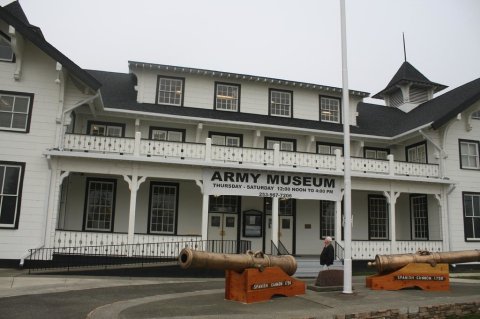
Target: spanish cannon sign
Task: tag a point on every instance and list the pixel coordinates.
(270, 184)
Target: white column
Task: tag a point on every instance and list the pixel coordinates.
(442, 207)
(133, 183)
(205, 200)
(338, 221)
(275, 220)
(392, 199)
(53, 203)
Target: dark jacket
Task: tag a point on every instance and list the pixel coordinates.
(327, 256)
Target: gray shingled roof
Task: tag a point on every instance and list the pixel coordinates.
(376, 120)
(14, 15)
(408, 73)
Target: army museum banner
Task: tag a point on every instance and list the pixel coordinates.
(270, 184)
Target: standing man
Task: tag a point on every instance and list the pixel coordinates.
(327, 256)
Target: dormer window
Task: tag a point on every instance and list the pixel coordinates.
(170, 90)
(227, 97)
(6, 52)
(476, 115)
(330, 109)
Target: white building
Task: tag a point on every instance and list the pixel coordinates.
(166, 154)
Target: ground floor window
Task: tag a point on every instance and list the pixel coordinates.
(224, 204)
(419, 213)
(377, 217)
(11, 180)
(163, 207)
(100, 204)
(286, 206)
(327, 219)
(471, 215)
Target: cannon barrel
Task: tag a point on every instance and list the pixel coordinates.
(386, 263)
(189, 258)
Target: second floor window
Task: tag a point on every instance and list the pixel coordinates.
(15, 111)
(226, 139)
(6, 52)
(417, 153)
(227, 97)
(469, 157)
(166, 134)
(285, 144)
(376, 153)
(170, 91)
(106, 129)
(329, 149)
(330, 109)
(281, 103)
(476, 115)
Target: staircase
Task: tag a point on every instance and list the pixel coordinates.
(309, 266)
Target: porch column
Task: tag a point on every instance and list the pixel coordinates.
(205, 201)
(275, 220)
(133, 184)
(442, 206)
(56, 178)
(392, 199)
(338, 221)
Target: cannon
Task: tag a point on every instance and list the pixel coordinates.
(425, 270)
(189, 258)
(387, 263)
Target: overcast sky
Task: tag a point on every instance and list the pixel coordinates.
(288, 39)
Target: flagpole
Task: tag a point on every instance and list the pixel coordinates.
(347, 262)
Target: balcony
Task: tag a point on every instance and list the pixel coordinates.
(209, 155)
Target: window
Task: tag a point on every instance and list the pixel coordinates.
(167, 134)
(224, 139)
(417, 153)
(476, 115)
(284, 144)
(376, 153)
(6, 52)
(227, 97)
(11, 181)
(100, 204)
(286, 206)
(163, 207)
(377, 217)
(15, 111)
(329, 149)
(281, 103)
(471, 215)
(327, 219)
(419, 215)
(106, 129)
(330, 109)
(170, 90)
(469, 156)
(224, 204)
(252, 223)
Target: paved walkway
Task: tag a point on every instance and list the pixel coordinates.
(42, 296)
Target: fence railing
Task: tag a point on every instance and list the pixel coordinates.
(209, 153)
(368, 249)
(124, 254)
(339, 252)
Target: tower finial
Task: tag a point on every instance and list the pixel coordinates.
(404, 50)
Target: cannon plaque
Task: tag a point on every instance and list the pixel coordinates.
(249, 277)
(426, 270)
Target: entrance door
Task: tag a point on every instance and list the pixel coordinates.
(222, 232)
(285, 233)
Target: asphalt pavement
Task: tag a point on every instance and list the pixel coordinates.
(72, 296)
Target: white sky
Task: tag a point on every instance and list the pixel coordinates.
(288, 39)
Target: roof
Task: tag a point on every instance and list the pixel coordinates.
(14, 15)
(239, 76)
(389, 121)
(407, 73)
(376, 120)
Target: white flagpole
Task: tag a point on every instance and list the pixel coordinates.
(347, 265)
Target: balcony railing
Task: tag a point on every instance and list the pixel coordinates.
(209, 153)
(367, 249)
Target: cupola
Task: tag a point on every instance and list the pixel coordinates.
(408, 88)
